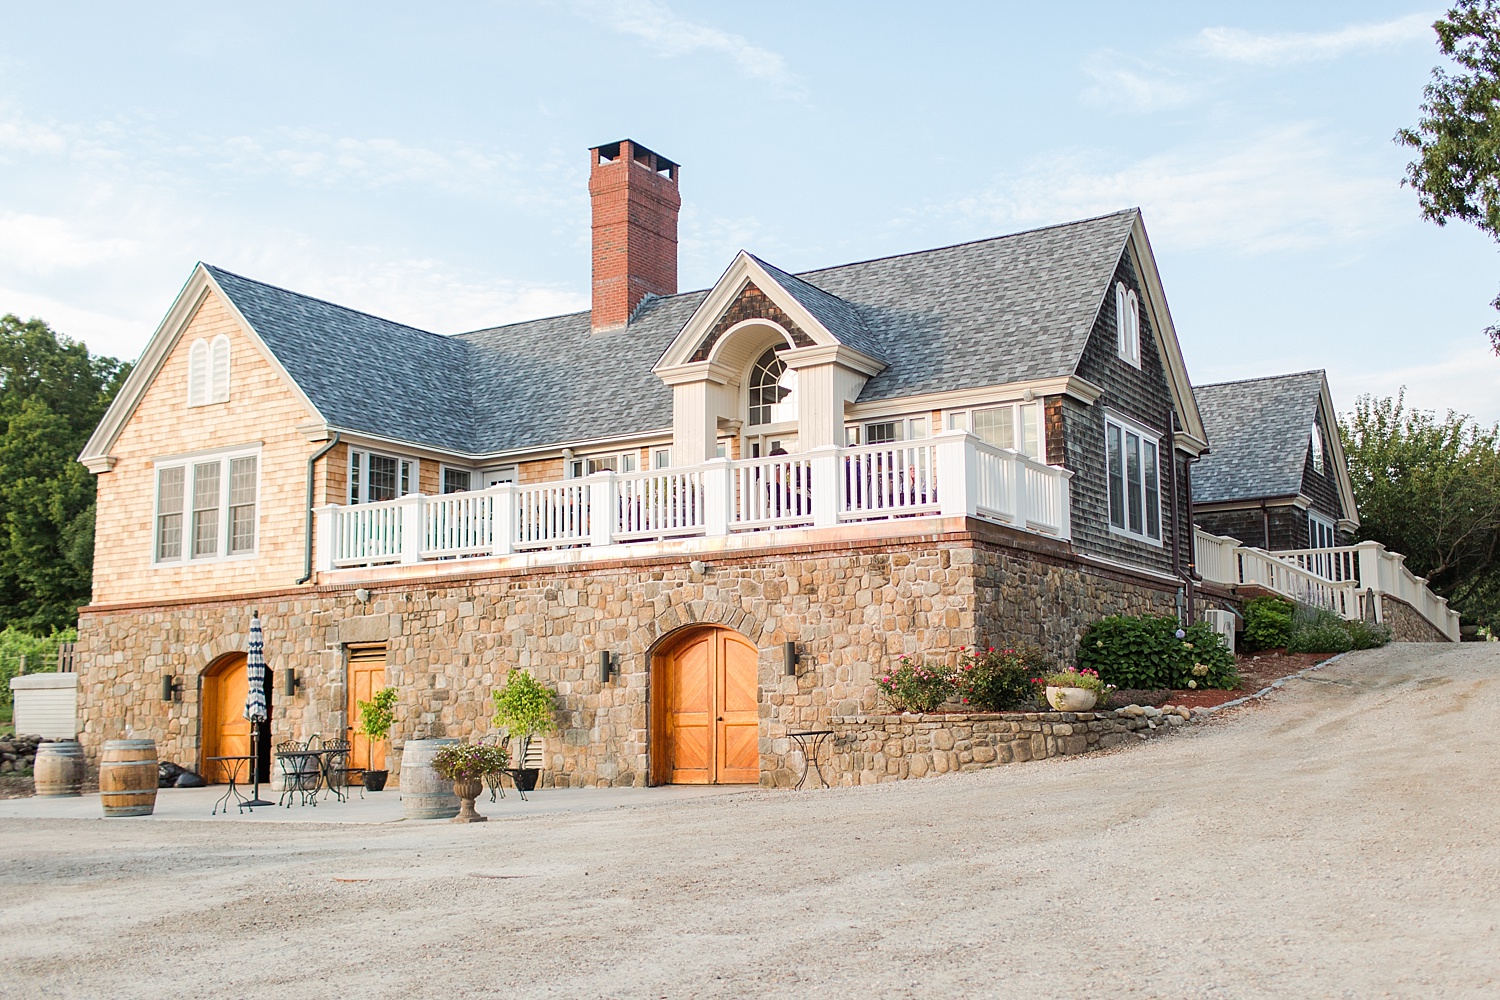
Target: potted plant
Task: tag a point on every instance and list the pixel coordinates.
(466, 764)
(1074, 690)
(375, 719)
(524, 707)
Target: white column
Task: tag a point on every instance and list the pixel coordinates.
(325, 524)
(1020, 496)
(503, 530)
(411, 527)
(827, 485)
(957, 467)
(718, 497)
(603, 508)
(695, 422)
(1065, 498)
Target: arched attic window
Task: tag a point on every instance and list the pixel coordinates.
(773, 390)
(208, 371)
(198, 366)
(219, 384)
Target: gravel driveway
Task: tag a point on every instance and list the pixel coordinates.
(1341, 839)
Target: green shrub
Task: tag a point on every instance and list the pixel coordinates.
(1154, 651)
(1268, 623)
(1368, 635)
(1321, 637)
(524, 706)
(1318, 630)
(1000, 680)
(916, 687)
(40, 652)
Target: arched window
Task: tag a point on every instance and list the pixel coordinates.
(1128, 324)
(773, 390)
(219, 392)
(198, 365)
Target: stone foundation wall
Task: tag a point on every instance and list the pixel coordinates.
(871, 749)
(852, 609)
(1407, 623)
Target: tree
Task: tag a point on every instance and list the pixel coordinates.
(1430, 489)
(1457, 172)
(52, 395)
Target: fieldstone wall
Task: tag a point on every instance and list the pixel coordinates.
(871, 749)
(851, 607)
(1407, 623)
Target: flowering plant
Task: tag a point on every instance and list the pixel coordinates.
(999, 680)
(916, 687)
(466, 761)
(1086, 679)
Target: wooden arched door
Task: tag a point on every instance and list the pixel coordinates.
(705, 717)
(226, 732)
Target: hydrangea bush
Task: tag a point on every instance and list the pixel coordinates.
(1156, 651)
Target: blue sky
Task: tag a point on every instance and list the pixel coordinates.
(429, 163)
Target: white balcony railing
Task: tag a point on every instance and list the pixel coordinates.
(1344, 578)
(954, 474)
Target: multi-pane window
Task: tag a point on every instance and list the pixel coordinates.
(1133, 472)
(1127, 324)
(1320, 532)
(1014, 425)
(169, 494)
(889, 431)
(456, 480)
(373, 477)
(773, 391)
(623, 462)
(661, 458)
(206, 507)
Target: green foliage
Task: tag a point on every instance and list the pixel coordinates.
(1367, 635)
(1430, 489)
(1457, 170)
(465, 761)
(52, 394)
(1268, 622)
(40, 653)
(999, 680)
(1146, 652)
(378, 714)
(916, 687)
(1318, 630)
(524, 706)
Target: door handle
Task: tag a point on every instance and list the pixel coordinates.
(721, 718)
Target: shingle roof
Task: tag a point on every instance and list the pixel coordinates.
(985, 313)
(1259, 431)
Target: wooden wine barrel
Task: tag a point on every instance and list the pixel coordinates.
(128, 777)
(424, 795)
(59, 768)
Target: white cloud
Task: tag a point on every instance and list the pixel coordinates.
(1466, 381)
(1238, 45)
(35, 244)
(673, 35)
(1133, 85)
(1283, 189)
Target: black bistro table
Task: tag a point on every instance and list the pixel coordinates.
(232, 767)
(811, 741)
(304, 777)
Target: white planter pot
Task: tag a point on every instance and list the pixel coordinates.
(1071, 699)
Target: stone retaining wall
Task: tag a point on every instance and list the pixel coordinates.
(1407, 623)
(868, 749)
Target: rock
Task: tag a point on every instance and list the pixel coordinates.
(7, 747)
(1184, 712)
(1174, 719)
(1151, 712)
(1134, 711)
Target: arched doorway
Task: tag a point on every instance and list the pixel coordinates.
(705, 718)
(225, 731)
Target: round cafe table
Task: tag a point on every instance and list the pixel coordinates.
(232, 766)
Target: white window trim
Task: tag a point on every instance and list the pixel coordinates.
(186, 462)
(904, 422)
(1319, 453)
(634, 454)
(1145, 434)
(1315, 518)
(443, 468)
(208, 371)
(364, 480)
(967, 413)
(1127, 324)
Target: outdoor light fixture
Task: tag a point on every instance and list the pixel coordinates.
(362, 596)
(608, 664)
(289, 682)
(789, 654)
(698, 566)
(171, 688)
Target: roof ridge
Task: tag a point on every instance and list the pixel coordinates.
(1262, 378)
(327, 302)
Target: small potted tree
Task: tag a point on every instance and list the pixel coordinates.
(524, 707)
(375, 719)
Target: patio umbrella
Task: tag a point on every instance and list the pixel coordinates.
(255, 700)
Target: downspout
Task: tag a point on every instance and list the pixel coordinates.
(311, 464)
(1176, 531)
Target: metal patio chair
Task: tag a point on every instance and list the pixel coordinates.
(300, 773)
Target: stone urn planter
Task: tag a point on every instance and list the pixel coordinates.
(467, 790)
(1071, 699)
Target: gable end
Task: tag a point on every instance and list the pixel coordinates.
(750, 303)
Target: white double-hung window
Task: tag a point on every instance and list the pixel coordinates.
(206, 506)
(1132, 456)
(374, 477)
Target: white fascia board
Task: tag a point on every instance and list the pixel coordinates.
(1165, 333)
(697, 371)
(1185, 442)
(1340, 463)
(838, 354)
(961, 399)
(620, 442)
(95, 455)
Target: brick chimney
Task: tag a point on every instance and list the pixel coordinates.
(635, 202)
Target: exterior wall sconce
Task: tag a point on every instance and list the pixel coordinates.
(698, 566)
(290, 682)
(362, 596)
(790, 656)
(171, 688)
(609, 663)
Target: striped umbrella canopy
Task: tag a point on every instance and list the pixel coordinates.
(255, 673)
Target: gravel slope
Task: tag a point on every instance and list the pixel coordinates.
(1337, 840)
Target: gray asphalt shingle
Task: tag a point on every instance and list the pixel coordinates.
(1259, 431)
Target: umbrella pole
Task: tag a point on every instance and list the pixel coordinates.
(256, 800)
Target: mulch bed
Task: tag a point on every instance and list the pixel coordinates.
(1257, 670)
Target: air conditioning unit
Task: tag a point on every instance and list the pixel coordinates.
(1221, 622)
